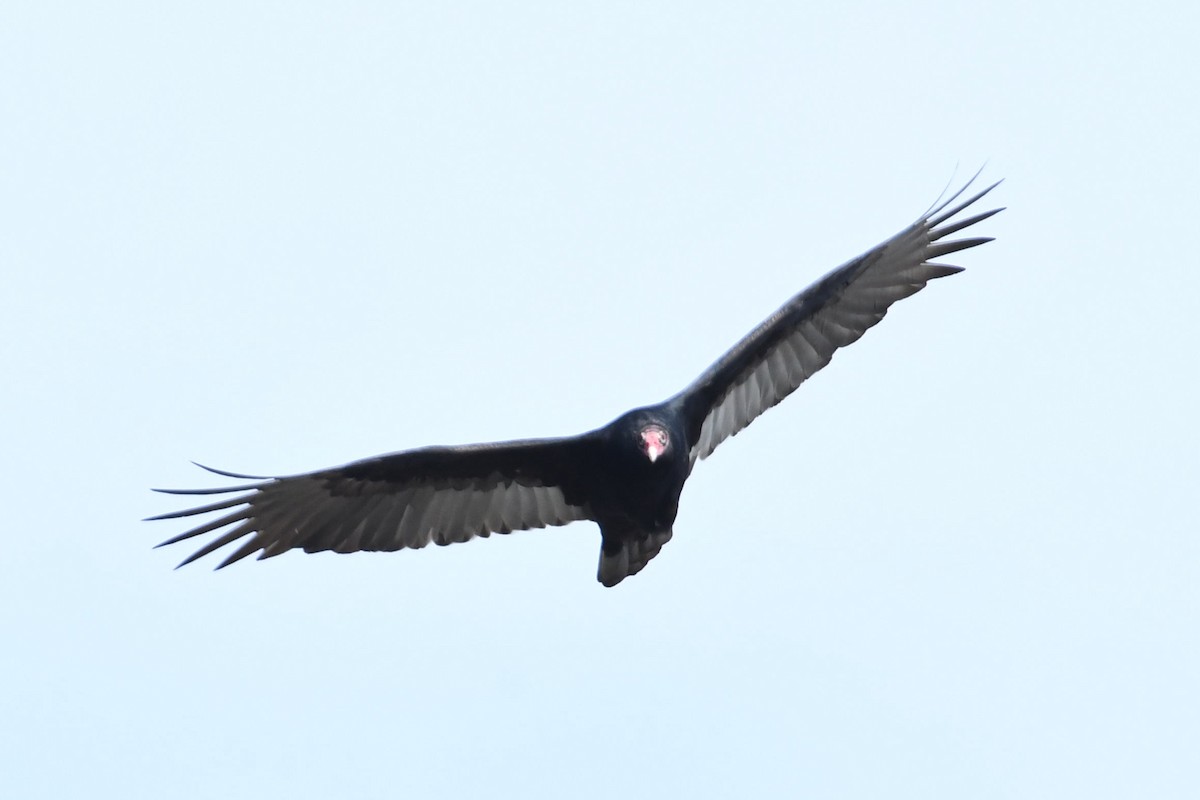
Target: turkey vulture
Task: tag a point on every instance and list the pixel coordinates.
(626, 476)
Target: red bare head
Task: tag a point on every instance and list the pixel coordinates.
(654, 441)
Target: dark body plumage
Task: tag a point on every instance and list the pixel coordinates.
(626, 476)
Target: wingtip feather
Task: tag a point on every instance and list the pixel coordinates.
(227, 474)
(940, 214)
(946, 230)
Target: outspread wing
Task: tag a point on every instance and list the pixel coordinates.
(801, 337)
(436, 494)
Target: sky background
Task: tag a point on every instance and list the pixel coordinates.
(962, 561)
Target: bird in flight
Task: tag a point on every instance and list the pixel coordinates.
(626, 476)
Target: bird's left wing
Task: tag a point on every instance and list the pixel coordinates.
(404, 500)
(802, 336)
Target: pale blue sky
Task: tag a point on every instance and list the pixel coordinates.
(960, 562)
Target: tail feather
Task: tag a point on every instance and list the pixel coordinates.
(626, 553)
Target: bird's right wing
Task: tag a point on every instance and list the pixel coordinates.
(403, 500)
(802, 336)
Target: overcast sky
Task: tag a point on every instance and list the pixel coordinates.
(962, 561)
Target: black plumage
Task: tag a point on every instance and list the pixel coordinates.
(626, 476)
